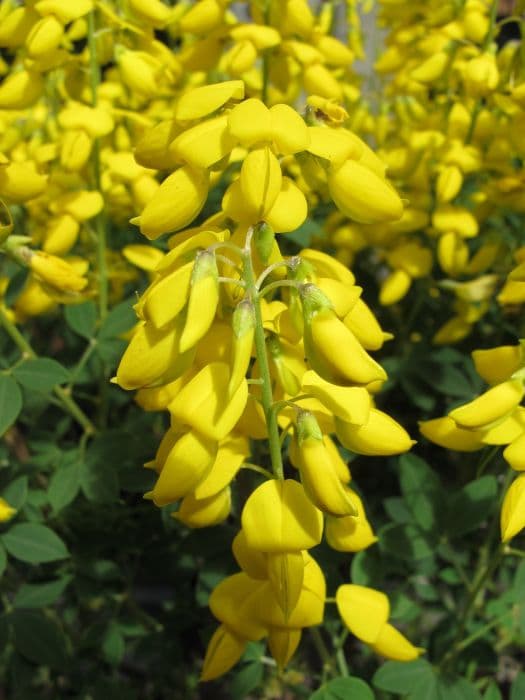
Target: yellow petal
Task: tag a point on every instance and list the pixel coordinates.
(204, 144)
(393, 645)
(204, 285)
(497, 364)
(444, 432)
(286, 575)
(260, 181)
(202, 101)
(283, 644)
(381, 435)
(250, 560)
(364, 611)
(176, 203)
(289, 131)
(205, 405)
(494, 404)
(204, 512)
(250, 122)
(515, 453)
(279, 517)
(230, 457)
(289, 210)
(235, 603)
(186, 465)
(512, 519)
(351, 404)
(362, 195)
(224, 649)
(364, 325)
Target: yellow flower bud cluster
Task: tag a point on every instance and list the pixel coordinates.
(496, 417)
(241, 345)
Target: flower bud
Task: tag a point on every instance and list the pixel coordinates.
(362, 195)
(204, 285)
(224, 649)
(243, 325)
(55, 272)
(493, 405)
(264, 239)
(318, 475)
(175, 204)
(45, 36)
(381, 435)
(20, 90)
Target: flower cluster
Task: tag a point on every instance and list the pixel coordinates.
(496, 417)
(242, 345)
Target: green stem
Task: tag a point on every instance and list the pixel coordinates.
(340, 654)
(487, 564)
(473, 121)
(82, 362)
(511, 551)
(66, 401)
(256, 468)
(489, 456)
(481, 631)
(322, 650)
(99, 223)
(264, 367)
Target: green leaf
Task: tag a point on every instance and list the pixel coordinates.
(344, 689)
(421, 490)
(64, 485)
(113, 645)
(41, 374)
(3, 560)
(470, 506)
(366, 568)
(38, 638)
(120, 319)
(405, 542)
(10, 402)
(99, 482)
(246, 680)
(397, 510)
(34, 543)
(400, 677)
(82, 318)
(38, 595)
(492, 692)
(517, 691)
(15, 493)
(457, 689)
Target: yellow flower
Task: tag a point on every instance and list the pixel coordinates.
(279, 517)
(176, 203)
(362, 195)
(185, 466)
(55, 272)
(380, 435)
(491, 406)
(318, 474)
